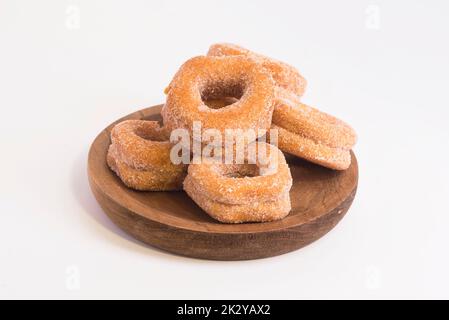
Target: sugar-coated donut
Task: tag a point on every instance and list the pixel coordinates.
(249, 192)
(142, 144)
(144, 180)
(140, 156)
(204, 78)
(239, 213)
(284, 75)
(311, 134)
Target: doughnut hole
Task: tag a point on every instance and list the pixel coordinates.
(150, 133)
(217, 95)
(240, 171)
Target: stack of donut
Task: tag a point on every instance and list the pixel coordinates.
(304, 131)
(232, 88)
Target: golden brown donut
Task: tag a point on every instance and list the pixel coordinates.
(204, 78)
(284, 75)
(240, 213)
(140, 155)
(144, 180)
(311, 134)
(142, 144)
(233, 193)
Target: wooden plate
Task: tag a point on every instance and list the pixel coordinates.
(173, 222)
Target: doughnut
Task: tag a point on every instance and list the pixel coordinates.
(207, 78)
(142, 144)
(140, 156)
(284, 75)
(143, 180)
(255, 191)
(310, 134)
(252, 212)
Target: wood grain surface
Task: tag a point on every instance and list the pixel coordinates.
(172, 221)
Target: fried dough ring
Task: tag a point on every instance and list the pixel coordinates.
(284, 75)
(140, 156)
(203, 78)
(144, 180)
(311, 134)
(230, 199)
(240, 213)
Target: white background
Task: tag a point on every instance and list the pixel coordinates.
(69, 68)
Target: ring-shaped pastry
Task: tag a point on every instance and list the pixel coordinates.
(140, 155)
(311, 134)
(203, 78)
(253, 191)
(284, 75)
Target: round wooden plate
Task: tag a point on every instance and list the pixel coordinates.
(173, 222)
